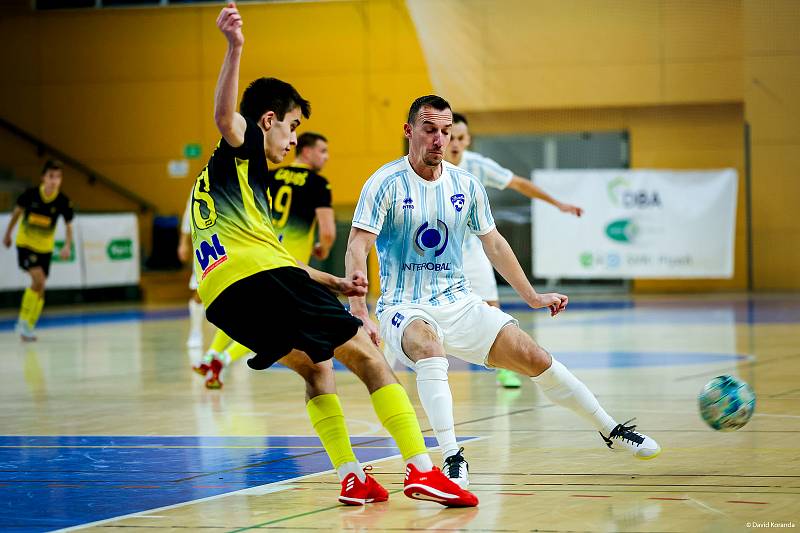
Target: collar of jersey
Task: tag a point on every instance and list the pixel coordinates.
(47, 199)
(420, 179)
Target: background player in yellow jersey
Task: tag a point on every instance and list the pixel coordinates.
(255, 291)
(39, 207)
(301, 201)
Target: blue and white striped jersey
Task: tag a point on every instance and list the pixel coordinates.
(421, 226)
(492, 175)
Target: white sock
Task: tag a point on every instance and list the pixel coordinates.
(196, 315)
(352, 467)
(437, 400)
(562, 388)
(421, 462)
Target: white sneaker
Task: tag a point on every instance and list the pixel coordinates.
(623, 437)
(456, 469)
(195, 340)
(25, 332)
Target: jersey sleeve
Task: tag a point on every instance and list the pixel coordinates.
(323, 196)
(480, 219)
(24, 200)
(253, 145)
(373, 205)
(67, 211)
(186, 221)
(490, 172)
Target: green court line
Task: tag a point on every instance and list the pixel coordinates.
(307, 513)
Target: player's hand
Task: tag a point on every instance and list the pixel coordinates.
(7, 241)
(355, 285)
(229, 22)
(319, 252)
(65, 252)
(571, 209)
(552, 300)
(370, 327)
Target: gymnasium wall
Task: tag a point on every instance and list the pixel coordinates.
(124, 90)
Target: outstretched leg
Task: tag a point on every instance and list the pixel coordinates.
(516, 350)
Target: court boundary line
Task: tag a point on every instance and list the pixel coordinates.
(220, 496)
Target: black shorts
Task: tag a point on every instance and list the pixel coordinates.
(29, 259)
(278, 310)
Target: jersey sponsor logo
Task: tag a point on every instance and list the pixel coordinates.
(208, 252)
(458, 201)
(429, 238)
(39, 220)
(408, 203)
(292, 177)
(435, 267)
(397, 319)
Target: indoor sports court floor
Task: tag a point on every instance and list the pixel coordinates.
(105, 428)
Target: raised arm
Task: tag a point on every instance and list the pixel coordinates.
(229, 122)
(355, 260)
(505, 262)
(527, 188)
(11, 223)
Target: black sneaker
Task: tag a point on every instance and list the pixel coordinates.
(456, 469)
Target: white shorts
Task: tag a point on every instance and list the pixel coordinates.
(480, 273)
(467, 328)
(193, 285)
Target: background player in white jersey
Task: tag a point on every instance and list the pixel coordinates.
(478, 270)
(196, 311)
(418, 209)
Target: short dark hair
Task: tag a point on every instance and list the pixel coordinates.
(308, 138)
(52, 164)
(271, 94)
(431, 100)
(458, 117)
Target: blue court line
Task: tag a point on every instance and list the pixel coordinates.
(766, 311)
(53, 482)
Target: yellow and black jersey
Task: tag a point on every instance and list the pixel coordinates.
(232, 228)
(297, 192)
(40, 213)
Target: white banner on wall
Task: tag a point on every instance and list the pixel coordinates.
(105, 254)
(637, 224)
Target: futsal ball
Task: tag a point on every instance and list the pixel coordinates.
(726, 403)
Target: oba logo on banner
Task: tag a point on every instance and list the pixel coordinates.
(621, 194)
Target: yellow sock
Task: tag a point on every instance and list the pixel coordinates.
(327, 417)
(221, 340)
(397, 415)
(33, 318)
(236, 351)
(29, 300)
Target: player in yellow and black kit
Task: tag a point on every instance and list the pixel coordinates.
(255, 291)
(301, 201)
(39, 208)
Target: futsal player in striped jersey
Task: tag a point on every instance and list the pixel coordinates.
(255, 291)
(418, 210)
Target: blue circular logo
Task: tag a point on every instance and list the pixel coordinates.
(429, 238)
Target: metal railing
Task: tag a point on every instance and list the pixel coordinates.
(92, 175)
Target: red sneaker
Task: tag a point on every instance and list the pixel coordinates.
(356, 492)
(214, 381)
(434, 486)
(201, 369)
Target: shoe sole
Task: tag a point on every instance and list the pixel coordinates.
(352, 501)
(647, 458)
(425, 493)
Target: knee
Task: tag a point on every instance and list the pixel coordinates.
(37, 284)
(420, 341)
(537, 360)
